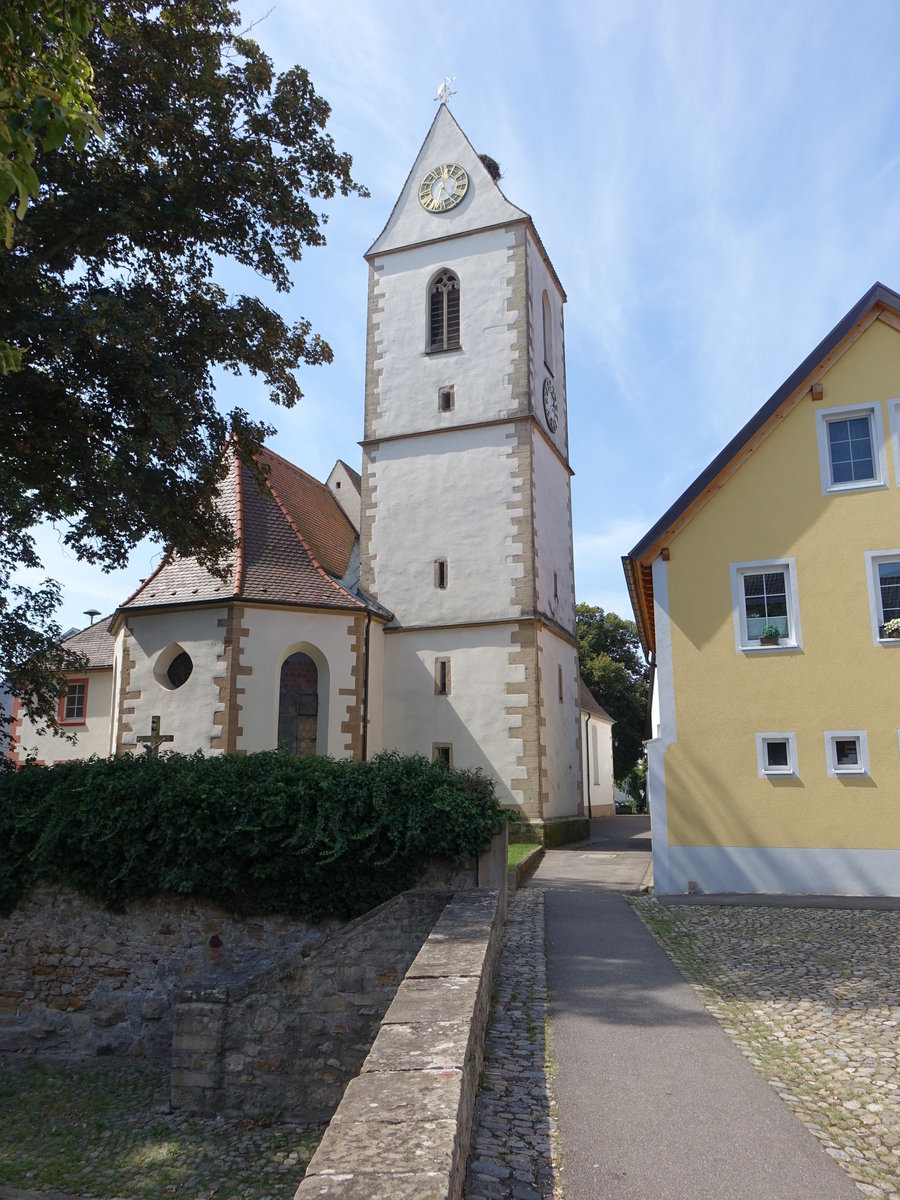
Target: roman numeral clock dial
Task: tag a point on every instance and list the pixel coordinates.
(443, 187)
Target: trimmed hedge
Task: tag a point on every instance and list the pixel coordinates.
(263, 833)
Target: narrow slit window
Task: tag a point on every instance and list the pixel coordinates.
(446, 400)
(442, 677)
(555, 586)
(440, 573)
(560, 680)
(443, 313)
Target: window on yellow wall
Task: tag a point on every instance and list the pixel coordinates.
(766, 605)
(846, 752)
(883, 580)
(852, 453)
(776, 754)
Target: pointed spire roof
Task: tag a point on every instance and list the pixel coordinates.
(291, 545)
(483, 205)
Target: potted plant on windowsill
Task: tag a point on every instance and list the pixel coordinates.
(892, 628)
(770, 636)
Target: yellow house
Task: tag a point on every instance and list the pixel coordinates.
(761, 598)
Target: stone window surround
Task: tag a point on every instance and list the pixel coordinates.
(442, 676)
(832, 737)
(764, 769)
(71, 685)
(873, 558)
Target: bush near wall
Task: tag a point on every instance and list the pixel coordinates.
(263, 833)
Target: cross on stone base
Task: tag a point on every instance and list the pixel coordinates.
(154, 739)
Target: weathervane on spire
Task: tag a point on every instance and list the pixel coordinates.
(445, 91)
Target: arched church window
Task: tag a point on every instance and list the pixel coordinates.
(298, 706)
(548, 332)
(443, 312)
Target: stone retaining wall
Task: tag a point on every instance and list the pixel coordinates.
(289, 1039)
(77, 980)
(403, 1127)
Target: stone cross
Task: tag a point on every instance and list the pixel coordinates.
(154, 739)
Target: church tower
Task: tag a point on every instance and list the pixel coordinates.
(466, 517)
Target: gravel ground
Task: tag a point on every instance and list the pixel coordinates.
(812, 999)
(99, 1133)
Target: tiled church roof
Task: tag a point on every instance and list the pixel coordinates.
(94, 642)
(291, 544)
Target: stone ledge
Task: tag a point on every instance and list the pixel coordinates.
(402, 1129)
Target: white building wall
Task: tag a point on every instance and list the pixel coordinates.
(93, 737)
(597, 765)
(377, 639)
(553, 537)
(479, 372)
(186, 712)
(274, 634)
(560, 735)
(473, 718)
(443, 496)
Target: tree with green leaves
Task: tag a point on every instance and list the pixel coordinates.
(110, 428)
(612, 666)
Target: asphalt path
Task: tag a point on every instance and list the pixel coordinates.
(655, 1102)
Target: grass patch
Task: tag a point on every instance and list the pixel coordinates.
(94, 1133)
(519, 851)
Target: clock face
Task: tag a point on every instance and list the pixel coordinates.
(551, 407)
(443, 187)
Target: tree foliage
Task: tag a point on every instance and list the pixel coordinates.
(45, 95)
(261, 833)
(110, 428)
(609, 654)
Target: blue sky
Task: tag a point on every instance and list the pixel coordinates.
(716, 184)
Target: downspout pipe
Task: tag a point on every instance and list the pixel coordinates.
(365, 695)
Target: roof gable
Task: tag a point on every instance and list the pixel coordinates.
(482, 206)
(879, 302)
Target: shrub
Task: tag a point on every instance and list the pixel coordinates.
(262, 833)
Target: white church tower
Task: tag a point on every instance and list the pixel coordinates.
(466, 517)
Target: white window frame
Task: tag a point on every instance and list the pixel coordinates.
(894, 427)
(742, 641)
(835, 735)
(763, 768)
(879, 449)
(876, 614)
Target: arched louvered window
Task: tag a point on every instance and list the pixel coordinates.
(443, 312)
(548, 332)
(298, 706)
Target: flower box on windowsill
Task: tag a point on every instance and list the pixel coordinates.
(891, 628)
(770, 636)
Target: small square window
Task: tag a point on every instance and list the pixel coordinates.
(852, 455)
(442, 752)
(776, 754)
(847, 752)
(766, 608)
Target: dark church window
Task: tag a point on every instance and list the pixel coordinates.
(298, 706)
(180, 668)
(443, 312)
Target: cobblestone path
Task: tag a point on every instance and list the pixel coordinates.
(514, 1136)
(812, 999)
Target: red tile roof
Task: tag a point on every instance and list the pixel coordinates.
(94, 642)
(276, 562)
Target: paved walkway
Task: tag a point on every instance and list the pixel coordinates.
(654, 1099)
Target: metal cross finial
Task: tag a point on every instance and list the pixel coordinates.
(445, 91)
(154, 739)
